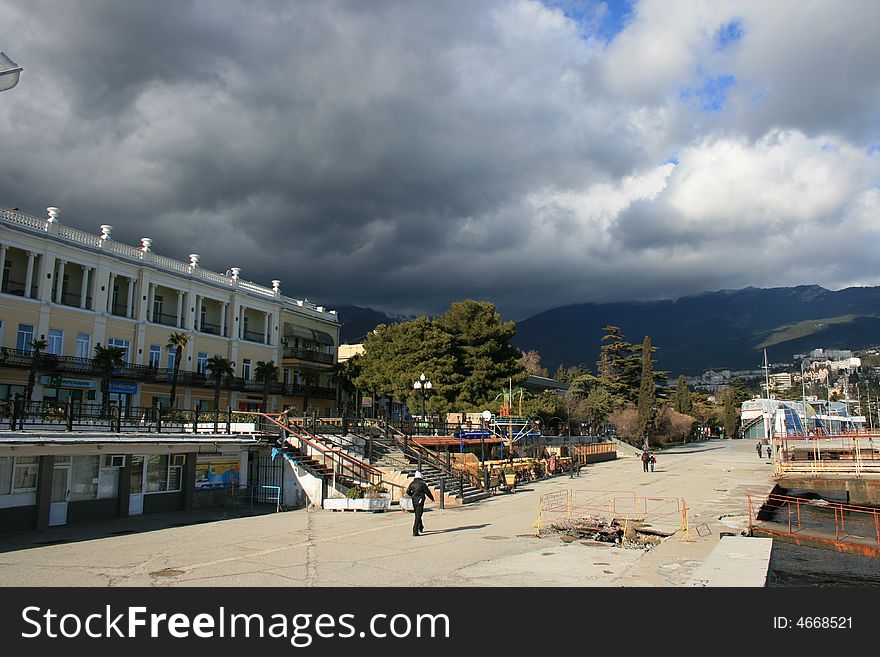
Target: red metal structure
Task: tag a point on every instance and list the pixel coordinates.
(816, 523)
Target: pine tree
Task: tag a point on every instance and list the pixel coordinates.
(615, 365)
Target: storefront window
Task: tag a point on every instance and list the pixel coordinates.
(157, 473)
(84, 478)
(24, 476)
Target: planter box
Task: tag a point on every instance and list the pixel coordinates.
(364, 504)
(406, 503)
(336, 503)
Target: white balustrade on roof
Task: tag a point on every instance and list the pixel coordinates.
(143, 254)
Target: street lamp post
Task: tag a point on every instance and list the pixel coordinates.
(422, 385)
(9, 72)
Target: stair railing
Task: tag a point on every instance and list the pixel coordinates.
(342, 464)
(424, 455)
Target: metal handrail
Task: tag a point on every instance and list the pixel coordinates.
(430, 456)
(336, 456)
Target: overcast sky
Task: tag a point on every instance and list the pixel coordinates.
(403, 155)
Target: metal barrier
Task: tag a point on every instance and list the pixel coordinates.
(852, 454)
(568, 509)
(817, 523)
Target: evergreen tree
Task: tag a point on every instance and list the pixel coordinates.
(617, 369)
(598, 405)
(730, 411)
(683, 402)
(465, 352)
(647, 394)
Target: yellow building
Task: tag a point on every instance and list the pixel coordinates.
(77, 290)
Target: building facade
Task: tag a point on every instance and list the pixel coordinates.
(76, 290)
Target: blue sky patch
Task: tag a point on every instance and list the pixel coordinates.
(602, 20)
(728, 35)
(713, 94)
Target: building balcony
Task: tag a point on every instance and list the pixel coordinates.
(16, 288)
(211, 329)
(73, 300)
(47, 363)
(166, 320)
(309, 355)
(253, 336)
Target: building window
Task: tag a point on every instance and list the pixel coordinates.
(8, 392)
(83, 345)
(18, 474)
(155, 355)
(84, 478)
(56, 342)
(157, 309)
(122, 344)
(164, 472)
(246, 369)
(202, 362)
(25, 339)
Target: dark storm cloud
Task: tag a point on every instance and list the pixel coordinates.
(403, 155)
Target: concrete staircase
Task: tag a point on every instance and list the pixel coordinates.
(390, 458)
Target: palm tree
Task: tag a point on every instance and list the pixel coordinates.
(105, 361)
(309, 379)
(219, 368)
(176, 342)
(267, 373)
(37, 349)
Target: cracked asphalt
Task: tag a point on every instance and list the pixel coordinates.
(491, 543)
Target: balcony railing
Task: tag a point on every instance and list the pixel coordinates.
(211, 329)
(309, 354)
(17, 288)
(119, 309)
(147, 374)
(73, 300)
(165, 319)
(254, 336)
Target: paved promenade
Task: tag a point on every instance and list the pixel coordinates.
(491, 543)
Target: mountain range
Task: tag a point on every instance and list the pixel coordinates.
(727, 329)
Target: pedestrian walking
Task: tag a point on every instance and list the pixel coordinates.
(418, 490)
(646, 457)
(652, 460)
(760, 450)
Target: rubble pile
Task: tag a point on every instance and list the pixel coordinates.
(627, 533)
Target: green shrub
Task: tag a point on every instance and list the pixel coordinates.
(375, 490)
(355, 493)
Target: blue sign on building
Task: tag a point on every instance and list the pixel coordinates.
(123, 387)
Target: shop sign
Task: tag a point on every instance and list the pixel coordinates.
(217, 471)
(64, 382)
(124, 387)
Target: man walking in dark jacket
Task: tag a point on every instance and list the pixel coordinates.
(417, 490)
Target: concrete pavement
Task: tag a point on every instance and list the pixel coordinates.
(491, 543)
